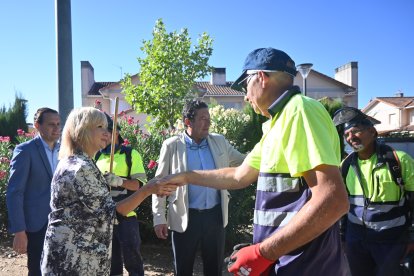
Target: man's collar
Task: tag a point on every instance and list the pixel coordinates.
(46, 144)
(280, 103)
(188, 139)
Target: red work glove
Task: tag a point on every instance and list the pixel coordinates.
(247, 260)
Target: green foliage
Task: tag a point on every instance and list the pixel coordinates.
(230, 122)
(167, 74)
(5, 156)
(13, 118)
(332, 106)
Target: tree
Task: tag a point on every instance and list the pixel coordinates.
(168, 73)
(332, 106)
(13, 118)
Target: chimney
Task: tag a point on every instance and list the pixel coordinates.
(87, 78)
(348, 74)
(218, 76)
(399, 94)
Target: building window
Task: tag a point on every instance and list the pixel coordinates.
(392, 119)
(411, 117)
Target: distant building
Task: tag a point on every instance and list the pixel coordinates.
(343, 87)
(395, 113)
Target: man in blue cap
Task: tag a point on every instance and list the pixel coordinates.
(380, 185)
(300, 192)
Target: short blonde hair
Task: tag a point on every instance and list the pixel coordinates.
(76, 134)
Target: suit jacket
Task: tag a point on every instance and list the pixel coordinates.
(28, 191)
(173, 159)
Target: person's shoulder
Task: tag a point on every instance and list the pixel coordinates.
(402, 155)
(172, 139)
(216, 136)
(30, 143)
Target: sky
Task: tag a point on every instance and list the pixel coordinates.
(378, 34)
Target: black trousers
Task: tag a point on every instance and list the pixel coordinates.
(205, 228)
(35, 242)
(126, 244)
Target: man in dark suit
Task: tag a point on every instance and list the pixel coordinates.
(28, 191)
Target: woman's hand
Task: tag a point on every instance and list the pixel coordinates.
(161, 188)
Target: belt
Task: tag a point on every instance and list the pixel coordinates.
(194, 210)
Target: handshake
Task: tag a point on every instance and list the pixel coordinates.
(113, 180)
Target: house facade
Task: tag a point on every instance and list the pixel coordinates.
(395, 113)
(344, 86)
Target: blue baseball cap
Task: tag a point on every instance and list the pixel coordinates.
(266, 59)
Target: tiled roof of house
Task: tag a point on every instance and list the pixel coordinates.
(218, 90)
(94, 91)
(397, 101)
(205, 86)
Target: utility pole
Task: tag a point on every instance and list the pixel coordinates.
(64, 57)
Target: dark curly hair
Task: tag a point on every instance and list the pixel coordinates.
(191, 107)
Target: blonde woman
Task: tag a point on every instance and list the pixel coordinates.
(79, 233)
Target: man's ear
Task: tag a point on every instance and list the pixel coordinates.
(187, 122)
(263, 78)
(36, 125)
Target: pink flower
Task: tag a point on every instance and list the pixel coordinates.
(126, 142)
(152, 164)
(20, 132)
(136, 131)
(4, 139)
(130, 120)
(3, 174)
(98, 104)
(4, 160)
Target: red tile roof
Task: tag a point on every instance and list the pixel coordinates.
(218, 90)
(203, 86)
(397, 101)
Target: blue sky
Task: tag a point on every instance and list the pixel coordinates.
(378, 34)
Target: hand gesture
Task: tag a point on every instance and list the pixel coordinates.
(160, 188)
(113, 180)
(247, 260)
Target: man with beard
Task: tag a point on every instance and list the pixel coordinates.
(380, 185)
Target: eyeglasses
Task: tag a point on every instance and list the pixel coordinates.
(244, 82)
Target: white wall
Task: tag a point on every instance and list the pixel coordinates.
(387, 114)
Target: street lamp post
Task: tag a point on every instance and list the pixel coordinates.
(304, 70)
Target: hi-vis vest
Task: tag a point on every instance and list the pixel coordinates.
(127, 164)
(299, 137)
(378, 209)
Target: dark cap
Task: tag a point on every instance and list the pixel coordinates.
(350, 117)
(267, 59)
(111, 123)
